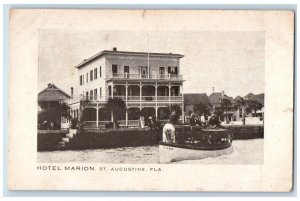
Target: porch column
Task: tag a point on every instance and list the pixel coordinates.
(156, 112)
(126, 92)
(112, 116)
(112, 90)
(140, 94)
(156, 92)
(169, 92)
(156, 104)
(126, 116)
(182, 103)
(97, 115)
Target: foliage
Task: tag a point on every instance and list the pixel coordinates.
(200, 109)
(82, 105)
(254, 105)
(247, 106)
(64, 110)
(53, 115)
(175, 112)
(117, 106)
(226, 104)
(74, 123)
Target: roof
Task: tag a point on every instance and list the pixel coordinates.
(249, 95)
(196, 98)
(259, 98)
(52, 93)
(111, 52)
(215, 99)
(238, 98)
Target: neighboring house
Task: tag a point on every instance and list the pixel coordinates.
(253, 117)
(216, 102)
(147, 82)
(49, 100)
(191, 99)
(261, 99)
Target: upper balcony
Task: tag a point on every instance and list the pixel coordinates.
(126, 76)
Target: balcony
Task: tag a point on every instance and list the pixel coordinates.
(128, 76)
(127, 99)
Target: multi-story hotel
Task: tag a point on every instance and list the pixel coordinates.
(147, 82)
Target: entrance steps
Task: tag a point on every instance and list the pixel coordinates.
(66, 139)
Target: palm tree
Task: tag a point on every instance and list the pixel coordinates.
(175, 112)
(82, 105)
(200, 109)
(226, 104)
(254, 105)
(64, 110)
(117, 107)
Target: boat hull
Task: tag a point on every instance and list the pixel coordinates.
(172, 152)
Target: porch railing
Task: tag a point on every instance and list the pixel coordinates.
(129, 98)
(133, 98)
(148, 98)
(145, 76)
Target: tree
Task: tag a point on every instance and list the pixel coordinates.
(54, 114)
(242, 105)
(175, 112)
(201, 109)
(254, 105)
(226, 104)
(82, 105)
(64, 110)
(117, 107)
(247, 106)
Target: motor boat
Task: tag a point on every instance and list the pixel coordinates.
(194, 143)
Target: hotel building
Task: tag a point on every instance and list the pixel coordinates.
(147, 82)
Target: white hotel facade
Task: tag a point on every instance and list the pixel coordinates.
(147, 82)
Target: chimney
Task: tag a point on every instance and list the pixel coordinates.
(71, 92)
(223, 93)
(49, 85)
(114, 49)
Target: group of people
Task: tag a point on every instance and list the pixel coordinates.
(213, 122)
(195, 121)
(152, 123)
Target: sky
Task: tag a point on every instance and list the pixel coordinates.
(233, 62)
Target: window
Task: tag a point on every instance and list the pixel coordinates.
(114, 69)
(126, 69)
(95, 94)
(100, 92)
(91, 95)
(87, 77)
(172, 70)
(161, 70)
(91, 75)
(87, 95)
(80, 79)
(95, 73)
(100, 71)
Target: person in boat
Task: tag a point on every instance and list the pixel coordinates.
(195, 120)
(150, 123)
(169, 131)
(214, 122)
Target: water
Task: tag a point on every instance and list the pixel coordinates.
(245, 152)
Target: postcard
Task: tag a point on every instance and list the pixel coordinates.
(151, 100)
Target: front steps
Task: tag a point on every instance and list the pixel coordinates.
(66, 140)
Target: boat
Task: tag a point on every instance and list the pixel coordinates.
(205, 143)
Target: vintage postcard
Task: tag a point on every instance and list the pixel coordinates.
(151, 100)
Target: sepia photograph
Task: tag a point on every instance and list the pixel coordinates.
(151, 97)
